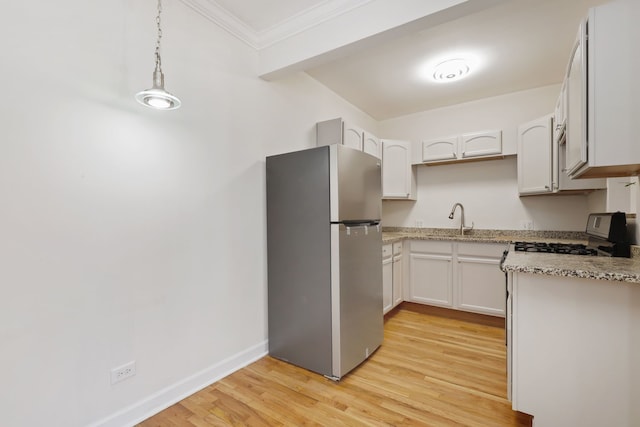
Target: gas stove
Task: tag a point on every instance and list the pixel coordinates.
(607, 237)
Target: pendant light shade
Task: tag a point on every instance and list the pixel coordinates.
(157, 97)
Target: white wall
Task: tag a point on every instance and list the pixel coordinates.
(489, 189)
(636, 197)
(127, 233)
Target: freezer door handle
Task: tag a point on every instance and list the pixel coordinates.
(358, 223)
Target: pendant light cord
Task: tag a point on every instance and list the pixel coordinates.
(158, 59)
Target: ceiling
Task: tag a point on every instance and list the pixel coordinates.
(263, 15)
(520, 44)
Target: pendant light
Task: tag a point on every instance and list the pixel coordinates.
(157, 97)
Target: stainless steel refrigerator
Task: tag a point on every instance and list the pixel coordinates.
(324, 252)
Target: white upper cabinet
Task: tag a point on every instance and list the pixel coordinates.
(479, 144)
(352, 136)
(338, 131)
(576, 152)
(461, 147)
(534, 156)
(604, 94)
(541, 161)
(372, 145)
(440, 149)
(561, 180)
(398, 176)
(559, 116)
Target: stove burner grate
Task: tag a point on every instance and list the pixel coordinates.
(555, 248)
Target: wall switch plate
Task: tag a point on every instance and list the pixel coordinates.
(123, 372)
(419, 223)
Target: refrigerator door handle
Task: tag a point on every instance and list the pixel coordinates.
(358, 223)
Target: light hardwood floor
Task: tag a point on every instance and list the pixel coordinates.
(433, 369)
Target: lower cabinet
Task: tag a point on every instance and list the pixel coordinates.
(392, 275)
(575, 350)
(480, 282)
(460, 275)
(431, 273)
(387, 277)
(398, 269)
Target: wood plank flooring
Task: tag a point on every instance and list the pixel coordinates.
(432, 370)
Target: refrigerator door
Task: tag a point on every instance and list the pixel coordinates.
(356, 294)
(299, 259)
(356, 185)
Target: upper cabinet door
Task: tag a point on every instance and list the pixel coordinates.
(352, 136)
(372, 145)
(481, 144)
(397, 173)
(440, 149)
(534, 156)
(559, 116)
(577, 106)
(561, 180)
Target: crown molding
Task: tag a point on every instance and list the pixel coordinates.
(220, 16)
(296, 24)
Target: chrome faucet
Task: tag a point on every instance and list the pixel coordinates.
(463, 228)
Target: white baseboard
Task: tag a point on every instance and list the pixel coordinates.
(172, 394)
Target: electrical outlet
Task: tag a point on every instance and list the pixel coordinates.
(123, 372)
(526, 225)
(419, 223)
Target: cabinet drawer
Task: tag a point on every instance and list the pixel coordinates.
(431, 246)
(386, 251)
(397, 248)
(492, 250)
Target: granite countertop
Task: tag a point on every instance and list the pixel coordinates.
(588, 267)
(394, 234)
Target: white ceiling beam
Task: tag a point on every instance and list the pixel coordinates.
(372, 23)
(364, 26)
(336, 29)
